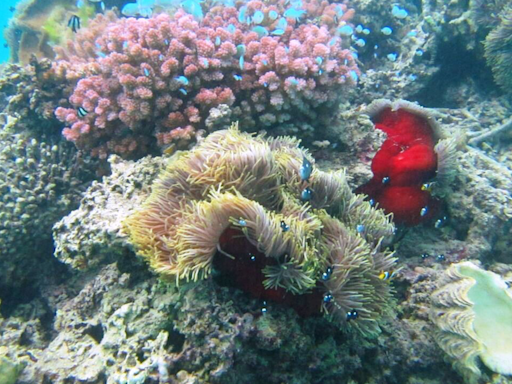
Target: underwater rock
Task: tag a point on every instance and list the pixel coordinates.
(80, 237)
(472, 310)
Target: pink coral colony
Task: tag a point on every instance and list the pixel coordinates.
(146, 83)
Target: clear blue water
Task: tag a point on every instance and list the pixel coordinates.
(5, 15)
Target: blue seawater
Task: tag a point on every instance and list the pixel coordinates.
(5, 15)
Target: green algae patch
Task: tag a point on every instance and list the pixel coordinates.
(9, 370)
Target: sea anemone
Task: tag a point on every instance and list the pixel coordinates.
(233, 205)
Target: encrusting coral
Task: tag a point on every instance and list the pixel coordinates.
(472, 310)
(242, 206)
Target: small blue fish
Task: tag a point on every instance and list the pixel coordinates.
(183, 91)
(327, 274)
(293, 13)
(440, 258)
(346, 30)
(327, 298)
(440, 222)
(305, 169)
(319, 60)
(353, 74)
(74, 23)
(425, 256)
(424, 211)
(241, 63)
(277, 32)
(242, 222)
(282, 23)
(352, 315)
(385, 180)
(386, 31)
(130, 10)
(306, 194)
(231, 28)
(217, 41)
(257, 18)
(193, 7)
(285, 227)
(82, 112)
(146, 72)
(206, 64)
(182, 79)
(398, 12)
(360, 228)
(261, 31)
(240, 49)
(273, 15)
(241, 14)
(237, 77)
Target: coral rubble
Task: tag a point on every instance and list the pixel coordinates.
(236, 189)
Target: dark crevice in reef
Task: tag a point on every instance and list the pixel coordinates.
(43, 269)
(95, 331)
(457, 66)
(138, 270)
(175, 340)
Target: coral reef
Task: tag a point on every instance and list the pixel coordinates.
(472, 310)
(30, 94)
(80, 238)
(302, 237)
(144, 84)
(41, 182)
(498, 50)
(123, 326)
